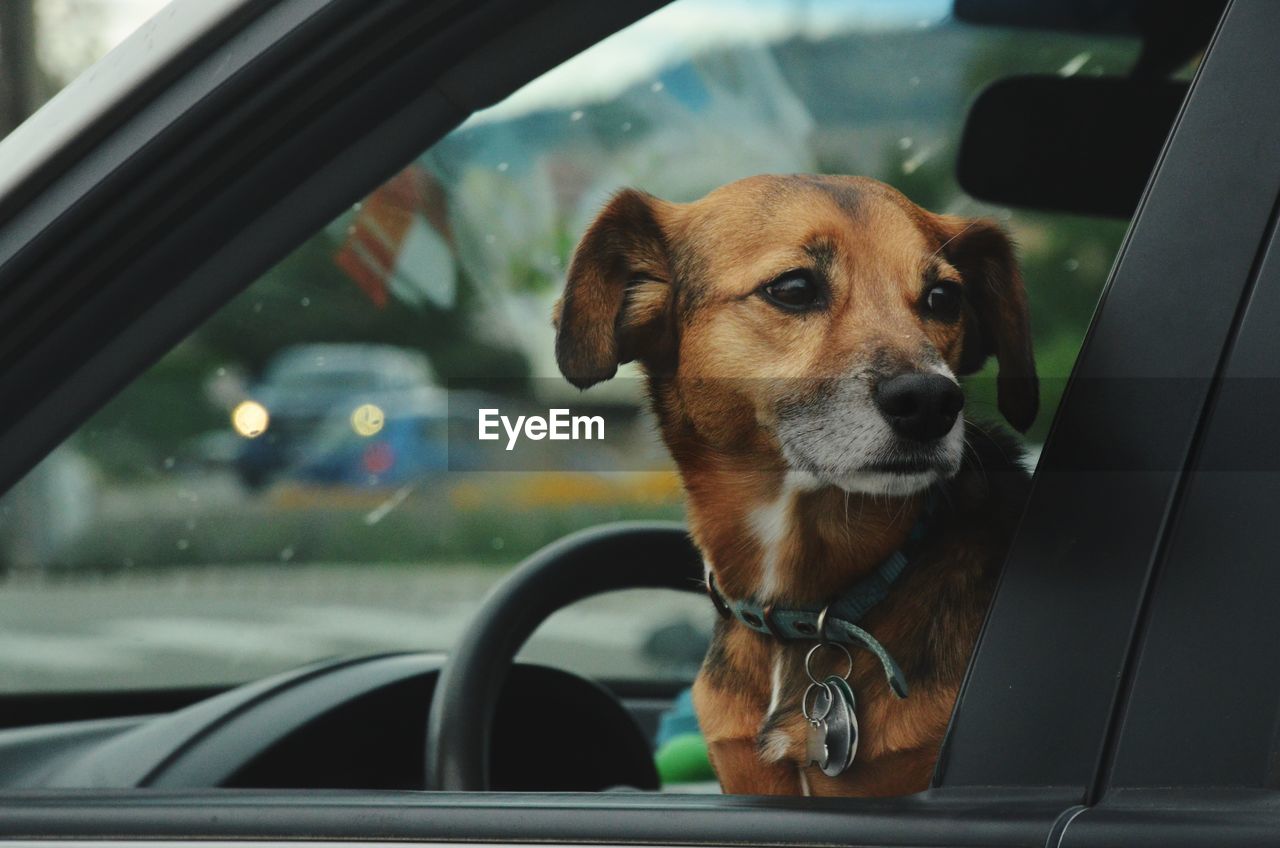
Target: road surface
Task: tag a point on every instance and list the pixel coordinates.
(218, 625)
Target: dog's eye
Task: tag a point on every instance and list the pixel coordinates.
(942, 301)
(794, 290)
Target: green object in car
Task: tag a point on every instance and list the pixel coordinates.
(683, 759)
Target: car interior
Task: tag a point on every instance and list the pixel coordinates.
(213, 620)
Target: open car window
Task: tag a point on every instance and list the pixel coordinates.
(303, 476)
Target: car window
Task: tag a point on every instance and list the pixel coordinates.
(304, 476)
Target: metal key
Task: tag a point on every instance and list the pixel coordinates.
(815, 744)
(816, 739)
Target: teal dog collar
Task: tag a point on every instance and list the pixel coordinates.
(837, 621)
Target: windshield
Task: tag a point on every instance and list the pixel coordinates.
(302, 478)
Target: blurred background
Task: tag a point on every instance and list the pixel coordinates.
(300, 478)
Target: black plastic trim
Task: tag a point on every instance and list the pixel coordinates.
(1055, 648)
(1209, 638)
(26, 709)
(1224, 818)
(136, 757)
(954, 818)
(182, 63)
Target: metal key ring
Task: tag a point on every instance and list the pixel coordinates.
(808, 660)
(804, 702)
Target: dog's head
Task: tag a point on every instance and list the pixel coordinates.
(822, 319)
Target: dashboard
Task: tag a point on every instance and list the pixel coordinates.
(344, 724)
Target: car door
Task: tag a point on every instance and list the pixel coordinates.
(1191, 758)
(274, 125)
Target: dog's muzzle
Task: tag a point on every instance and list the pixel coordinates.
(879, 434)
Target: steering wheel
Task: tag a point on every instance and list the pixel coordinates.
(623, 555)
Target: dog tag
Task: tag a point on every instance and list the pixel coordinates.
(844, 692)
(836, 729)
(839, 727)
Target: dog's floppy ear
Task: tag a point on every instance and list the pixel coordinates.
(616, 301)
(999, 323)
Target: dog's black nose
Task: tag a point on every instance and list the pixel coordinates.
(919, 406)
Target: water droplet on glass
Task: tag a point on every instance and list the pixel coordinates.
(913, 163)
(657, 86)
(626, 126)
(183, 544)
(306, 301)
(503, 166)
(169, 462)
(1072, 264)
(286, 554)
(1074, 64)
(575, 115)
(904, 143)
(498, 543)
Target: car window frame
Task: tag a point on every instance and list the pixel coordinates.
(1205, 638)
(1105, 471)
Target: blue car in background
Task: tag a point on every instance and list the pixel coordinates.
(410, 443)
(349, 414)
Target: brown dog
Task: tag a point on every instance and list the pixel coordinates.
(801, 338)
